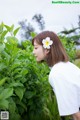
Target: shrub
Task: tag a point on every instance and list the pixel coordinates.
(25, 91)
(23, 83)
(70, 47)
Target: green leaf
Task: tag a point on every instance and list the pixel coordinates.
(2, 46)
(2, 81)
(15, 31)
(15, 116)
(4, 104)
(12, 27)
(1, 27)
(4, 33)
(16, 84)
(33, 34)
(19, 92)
(17, 70)
(24, 71)
(7, 56)
(17, 76)
(12, 105)
(7, 27)
(6, 93)
(23, 105)
(16, 64)
(12, 40)
(2, 66)
(30, 94)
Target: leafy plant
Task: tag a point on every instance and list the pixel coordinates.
(69, 47)
(22, 80)
(25, 91)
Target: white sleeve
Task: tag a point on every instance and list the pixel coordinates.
(66, 94)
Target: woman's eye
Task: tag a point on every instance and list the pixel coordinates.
(35, 47)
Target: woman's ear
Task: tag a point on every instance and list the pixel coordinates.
(47, 51)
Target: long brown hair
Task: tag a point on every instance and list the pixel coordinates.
(57, 52)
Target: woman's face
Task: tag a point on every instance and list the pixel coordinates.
(39, 52)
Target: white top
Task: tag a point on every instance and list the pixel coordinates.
(64, 78)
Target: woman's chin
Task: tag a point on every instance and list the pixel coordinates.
(38, 60)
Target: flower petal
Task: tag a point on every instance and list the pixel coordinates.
(47, 42)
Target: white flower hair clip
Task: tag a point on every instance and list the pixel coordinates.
(47, 42)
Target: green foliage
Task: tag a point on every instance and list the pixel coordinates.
(72, 34)
(69, 47)
(23, 83)
(77, 62)
(25, 91)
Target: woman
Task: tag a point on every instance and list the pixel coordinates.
(64, 76)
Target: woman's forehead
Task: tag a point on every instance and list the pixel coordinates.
(35, 43)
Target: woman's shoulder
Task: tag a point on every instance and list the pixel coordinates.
(59, 65)
(64, 68)
(66, 65)
(66, 72)
(57, 68)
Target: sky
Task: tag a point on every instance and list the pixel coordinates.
(56, 16)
